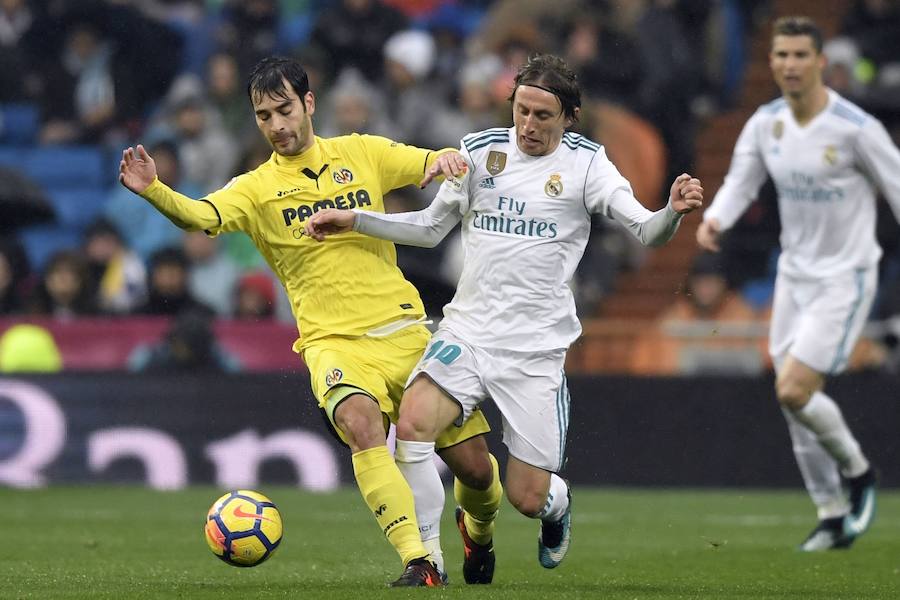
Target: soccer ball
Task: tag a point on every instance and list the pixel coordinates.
(243, 528)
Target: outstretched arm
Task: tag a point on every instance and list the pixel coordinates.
(425, 228)
(657, 228)
(137, 172)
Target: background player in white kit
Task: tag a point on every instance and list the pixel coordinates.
(525, 204)
(824, 155)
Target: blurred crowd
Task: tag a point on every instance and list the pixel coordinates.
(171, 74)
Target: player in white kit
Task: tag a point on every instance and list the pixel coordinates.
(525, 204)
(825, 156)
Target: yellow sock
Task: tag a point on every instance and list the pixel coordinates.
(481, 506)
(390, 499)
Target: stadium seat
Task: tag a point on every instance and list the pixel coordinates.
(66, 166)
(42, 241)
(77, 207)
(19, 123)
(13, 157)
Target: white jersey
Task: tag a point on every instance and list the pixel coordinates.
(525, 224)
(825, 174)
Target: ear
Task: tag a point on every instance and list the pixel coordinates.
(309, 103)
(571, 121)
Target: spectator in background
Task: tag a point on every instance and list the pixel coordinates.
(15, 20)
(352, 33)
(13, 273)
(354, 106)
(89, 90)
(26, 348)
(249, 30)
(408, 60)
(708, 329)
(189, 346)
(207, 152)
(255, 297)
(211, 273)
(117, 273)
(65, 290)
(168, 292)
(223, 86)
(141, 224)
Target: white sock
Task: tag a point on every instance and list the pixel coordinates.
(416, 461)
(557, 500)
(819, 470)
(823, 417)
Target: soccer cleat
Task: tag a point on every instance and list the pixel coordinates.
(828, 535)
(420, 572)
(478, 564)
(553, 539)
(862, 504)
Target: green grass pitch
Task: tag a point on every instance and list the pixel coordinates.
(128, 542)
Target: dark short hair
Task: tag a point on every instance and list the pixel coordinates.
(269, 74)
(793, 26)
(552, 74)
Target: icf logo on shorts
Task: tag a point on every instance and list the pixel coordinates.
(333, 377)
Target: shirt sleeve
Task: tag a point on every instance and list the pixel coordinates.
(235, 204)
(603, 180)
(651, 228)
(397, 164)
(426, 227)
(879, 158)
(746, 175)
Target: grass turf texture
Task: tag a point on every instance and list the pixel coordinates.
(128, 542)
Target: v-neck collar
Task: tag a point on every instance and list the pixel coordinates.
(810, 125)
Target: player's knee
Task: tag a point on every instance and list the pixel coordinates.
(360, 428)
(527, 501)
(414, 428)
(478, 473)
(792, 394)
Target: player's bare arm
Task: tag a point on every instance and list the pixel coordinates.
(449, 164)
(686, 194)
(708, 235)
(137, 170)
(329, 222)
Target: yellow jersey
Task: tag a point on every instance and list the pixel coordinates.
(348, 284)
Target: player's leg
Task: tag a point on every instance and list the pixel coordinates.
(531, 393)
(355, 399)
(438, 411)
(824, 334)
(543, 495)
(361, 424)
(425, 411)
(478, 492)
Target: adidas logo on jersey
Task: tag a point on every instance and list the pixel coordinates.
(487, 183)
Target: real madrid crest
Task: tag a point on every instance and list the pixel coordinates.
(778, 129)
(554, 186)
(496, 162)
(333, 377)
(342, 176)
(831, 155)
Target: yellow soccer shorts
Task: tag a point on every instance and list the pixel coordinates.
(377, 367)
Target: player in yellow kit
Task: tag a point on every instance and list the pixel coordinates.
(359, 319)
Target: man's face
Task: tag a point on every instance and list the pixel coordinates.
(285, 121)
(796, 66)
(539, 120)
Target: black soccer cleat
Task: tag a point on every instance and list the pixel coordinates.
(862, 503)
(828, 535)
(479, 560)
(420, 572)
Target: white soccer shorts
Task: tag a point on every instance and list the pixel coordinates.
(529, 389)
(819, 321)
